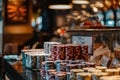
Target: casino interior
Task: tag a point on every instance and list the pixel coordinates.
(59, 39)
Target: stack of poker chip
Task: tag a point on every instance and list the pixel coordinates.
(45, 67)
(48, 49)
(29, 51)
(54, 52)
(60, 52)
(48, 46)
(43, 71)
(25, 58)
(54, 69)
(84, 54)
(31, 61)
(77, 52)
(69, 51)
(34, 59)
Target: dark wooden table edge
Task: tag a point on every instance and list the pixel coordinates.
(11, 72)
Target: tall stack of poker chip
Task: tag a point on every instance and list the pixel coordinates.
(48, 49)
(77, 52)
(29, 51)
(25, 58)
(45, 67)
(48, 46)
(54, 52)
(43, 71)
(84, 54)
(69, 51)
(33, 60)
(60, 52)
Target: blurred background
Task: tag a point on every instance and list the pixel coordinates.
(22, 20)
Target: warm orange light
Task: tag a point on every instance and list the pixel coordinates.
(83, 6)
(99, 4)
(80, 2)
(60, 6)
(108, 3)
(95, 9)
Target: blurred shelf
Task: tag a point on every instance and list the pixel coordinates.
(109, 35)
(96, 29)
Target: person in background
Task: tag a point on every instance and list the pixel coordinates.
(35, 42)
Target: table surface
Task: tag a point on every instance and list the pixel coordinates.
(26, 73)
